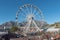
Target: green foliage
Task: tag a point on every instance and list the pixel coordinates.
(56, 25)
(13, 29)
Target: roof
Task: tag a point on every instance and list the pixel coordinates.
(53, 29)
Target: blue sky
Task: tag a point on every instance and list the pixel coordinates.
(50, 9)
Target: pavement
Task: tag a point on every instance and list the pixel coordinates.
(19, 39)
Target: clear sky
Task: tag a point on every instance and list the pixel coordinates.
(50, 9)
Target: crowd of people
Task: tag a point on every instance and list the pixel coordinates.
(43, 36)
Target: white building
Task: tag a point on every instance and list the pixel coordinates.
(52, 29)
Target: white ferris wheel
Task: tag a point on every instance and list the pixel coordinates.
(30, 14)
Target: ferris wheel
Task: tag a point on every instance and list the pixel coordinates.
(30, 14)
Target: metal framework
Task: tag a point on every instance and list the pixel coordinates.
(30, 14)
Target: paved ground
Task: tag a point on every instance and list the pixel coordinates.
(15, 39)
(19, 39)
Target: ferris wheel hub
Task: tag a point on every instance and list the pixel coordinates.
(30, 17)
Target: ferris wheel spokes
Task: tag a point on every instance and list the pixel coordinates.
(23, 10)
(31, 8)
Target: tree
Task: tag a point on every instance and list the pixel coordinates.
(13, 29)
